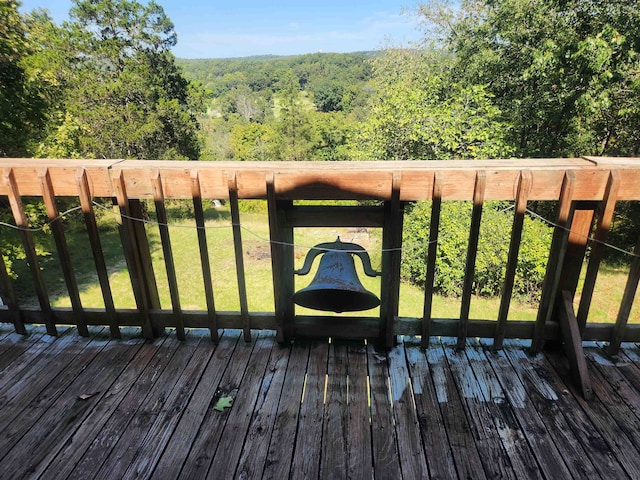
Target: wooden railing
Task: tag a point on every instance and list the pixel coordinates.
(585, 188)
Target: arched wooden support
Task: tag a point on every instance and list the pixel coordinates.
(573, 346)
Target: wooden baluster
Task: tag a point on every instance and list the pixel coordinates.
(212, 315)
(524, 186)
(129, 244)
(436, 201)
(281, 262)
(597, 249)
(63, 251)
(9, 298)
(237, 244)
(474, 235)
(627, 302)
(391, 257)
(554, 264)
(96, 249)
(29, 249)
(161, 213)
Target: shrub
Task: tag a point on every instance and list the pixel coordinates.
(493, 248)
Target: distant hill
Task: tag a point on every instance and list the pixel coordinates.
(262, 73)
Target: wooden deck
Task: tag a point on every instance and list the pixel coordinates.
(81, 408)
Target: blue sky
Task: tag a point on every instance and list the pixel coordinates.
(214, 29)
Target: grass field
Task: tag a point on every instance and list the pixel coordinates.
(606, 301)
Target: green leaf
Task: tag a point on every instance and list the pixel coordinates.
(222, 403)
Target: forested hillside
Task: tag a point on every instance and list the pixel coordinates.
(291, 108)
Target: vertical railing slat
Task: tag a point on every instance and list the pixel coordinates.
(161, 213)
(204, 254)
(130, 247)
(63, 250)
(276, 260)
(237, 246)
(144, 254)
(472, 250)
(281, 239)
(96, 249)
(29, 249)
(627, 302)
(597, 249)
(432, 251)
(524, 185)
(554, 264)
(391, 258)
(9, 298)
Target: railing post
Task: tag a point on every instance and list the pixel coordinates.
(472, 251)
(9, 298)
(63, 251)
(161, 214)
(555, 261)
(281, 237)
(96, 249)
(391, 256)
(237, 247)
(630, 290)
(29, 249)
(196, 194)
(524, 185)
(132, 256)
(605, 215)
(432, 252)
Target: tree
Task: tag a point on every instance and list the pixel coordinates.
(418, 112)
(564, 73)
(124, 92)
(294, 127)
(23, 107)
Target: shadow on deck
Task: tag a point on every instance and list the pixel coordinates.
(77, 407)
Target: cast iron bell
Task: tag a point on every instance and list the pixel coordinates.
(336, 286)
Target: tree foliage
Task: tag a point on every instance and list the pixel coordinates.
(119, 92)
(564, 73)
(23, 106)
(419, 113)
(493, 248)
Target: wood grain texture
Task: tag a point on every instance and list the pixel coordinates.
(469, 413)
(339, 180)
(472, 250)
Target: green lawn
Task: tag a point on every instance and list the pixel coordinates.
(257, 260)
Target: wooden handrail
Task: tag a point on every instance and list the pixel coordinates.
(600, 182)
(332, 180)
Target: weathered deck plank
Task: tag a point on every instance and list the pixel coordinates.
(439, 413)
(184, 435)
(306, 457)
(206, 442)
(463, 446)
(359, 445)
(493, 456)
